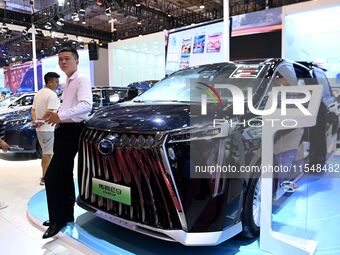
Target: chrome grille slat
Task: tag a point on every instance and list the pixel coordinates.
(136, 162)
(2, 129)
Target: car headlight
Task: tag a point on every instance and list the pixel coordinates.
(199, 133)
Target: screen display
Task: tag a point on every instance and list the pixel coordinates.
(195, 46)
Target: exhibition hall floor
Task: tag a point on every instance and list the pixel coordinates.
(19, 181)
(312, 212)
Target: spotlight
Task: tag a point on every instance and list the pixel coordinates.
(4, 28)
(139, 22)
(137, 5)
(60, 22)
(108, 11)
(202, 6)
(75, 16)
(48, 25)
(25, 31)
(81, 12)
(39, 32)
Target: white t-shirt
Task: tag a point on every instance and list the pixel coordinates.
(45, 100)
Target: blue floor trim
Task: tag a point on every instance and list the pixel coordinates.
(312, 212)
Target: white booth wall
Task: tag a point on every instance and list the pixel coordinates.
(101, 68)
(311, 32)
(137, 59)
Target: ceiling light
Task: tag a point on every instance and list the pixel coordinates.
(202, 6)
(137, 5)
(13, 58)
(83, 22)
(61, 2)
(139, 22)
(169, 15)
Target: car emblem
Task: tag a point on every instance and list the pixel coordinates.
(106, 145)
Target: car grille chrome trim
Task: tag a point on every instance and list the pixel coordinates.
(179, 206)
(134, 164)
(2, 129)
(181, 236)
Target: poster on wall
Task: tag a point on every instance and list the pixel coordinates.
(20, 78)
(214, 43)
(194, 46)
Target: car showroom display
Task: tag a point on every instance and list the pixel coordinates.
(137, 159)
(16, 127)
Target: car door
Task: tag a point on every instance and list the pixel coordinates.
(289, 145)
(331, 113)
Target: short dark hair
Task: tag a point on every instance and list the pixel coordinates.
(3, 92)
(49, 76)
(69, 49)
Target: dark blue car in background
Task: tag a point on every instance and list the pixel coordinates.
(15, 128)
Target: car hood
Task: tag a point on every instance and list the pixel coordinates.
(15, 114)
(14, 109)
(148, 117)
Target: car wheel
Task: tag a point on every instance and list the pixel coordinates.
(38, 151)
(252, 209)
(318, 144)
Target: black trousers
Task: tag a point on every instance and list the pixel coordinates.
(59, 175)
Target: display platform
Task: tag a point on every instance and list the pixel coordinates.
(312, 212)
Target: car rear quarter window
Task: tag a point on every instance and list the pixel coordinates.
(322, 80)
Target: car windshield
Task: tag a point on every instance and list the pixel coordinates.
(7, 101)
(188, 84)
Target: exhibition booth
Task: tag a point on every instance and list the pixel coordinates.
(137, 184)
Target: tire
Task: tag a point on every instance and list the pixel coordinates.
(251, 209)
(318, 144)
(38, 151)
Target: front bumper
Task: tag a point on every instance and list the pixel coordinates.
(185, 238)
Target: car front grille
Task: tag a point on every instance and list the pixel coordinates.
(135, 162)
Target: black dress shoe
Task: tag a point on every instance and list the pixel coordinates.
(46, 223)
(53, 229)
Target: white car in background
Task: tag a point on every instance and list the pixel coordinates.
(16, 102)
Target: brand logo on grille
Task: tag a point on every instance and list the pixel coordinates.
(107, 145)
